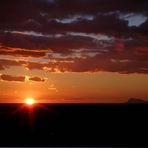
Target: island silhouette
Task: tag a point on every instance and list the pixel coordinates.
(136, 101)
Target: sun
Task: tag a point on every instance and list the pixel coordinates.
(29, 101)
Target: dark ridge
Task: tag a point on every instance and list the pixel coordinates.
(137, 101)
(73, 125)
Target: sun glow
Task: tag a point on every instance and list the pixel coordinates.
(29, 101)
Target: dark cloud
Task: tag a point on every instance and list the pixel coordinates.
(40, 13)
(106, 24)
(12, 78)
(5, 77)
(77, 36)
(21, 52)
(95, 64)
(37, 79)
(135, 62)
(144, 28)
(8, 63)
(60, 44)
(58, 8)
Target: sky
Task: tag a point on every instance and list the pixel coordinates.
(73, 51)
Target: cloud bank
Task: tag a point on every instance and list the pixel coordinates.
(5, 77)
(74, 36)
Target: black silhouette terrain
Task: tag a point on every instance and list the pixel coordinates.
(136, 101)
(73, 125)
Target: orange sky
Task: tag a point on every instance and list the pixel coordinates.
(99, 87)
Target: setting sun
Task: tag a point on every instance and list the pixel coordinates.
(29, 101)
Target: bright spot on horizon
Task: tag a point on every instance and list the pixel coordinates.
(29, 101)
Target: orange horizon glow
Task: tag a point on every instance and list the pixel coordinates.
(102, 87)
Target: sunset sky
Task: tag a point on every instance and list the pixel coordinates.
(73, 51)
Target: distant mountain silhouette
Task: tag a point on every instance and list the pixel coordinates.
(136, 101)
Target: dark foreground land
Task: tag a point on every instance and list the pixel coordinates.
(73, 125)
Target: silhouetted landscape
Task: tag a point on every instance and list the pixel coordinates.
(73, 125)
(137, 101)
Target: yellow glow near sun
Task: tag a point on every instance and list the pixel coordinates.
(29, 101)
(26, 78)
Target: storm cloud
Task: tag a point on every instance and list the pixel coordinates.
(74, 36)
